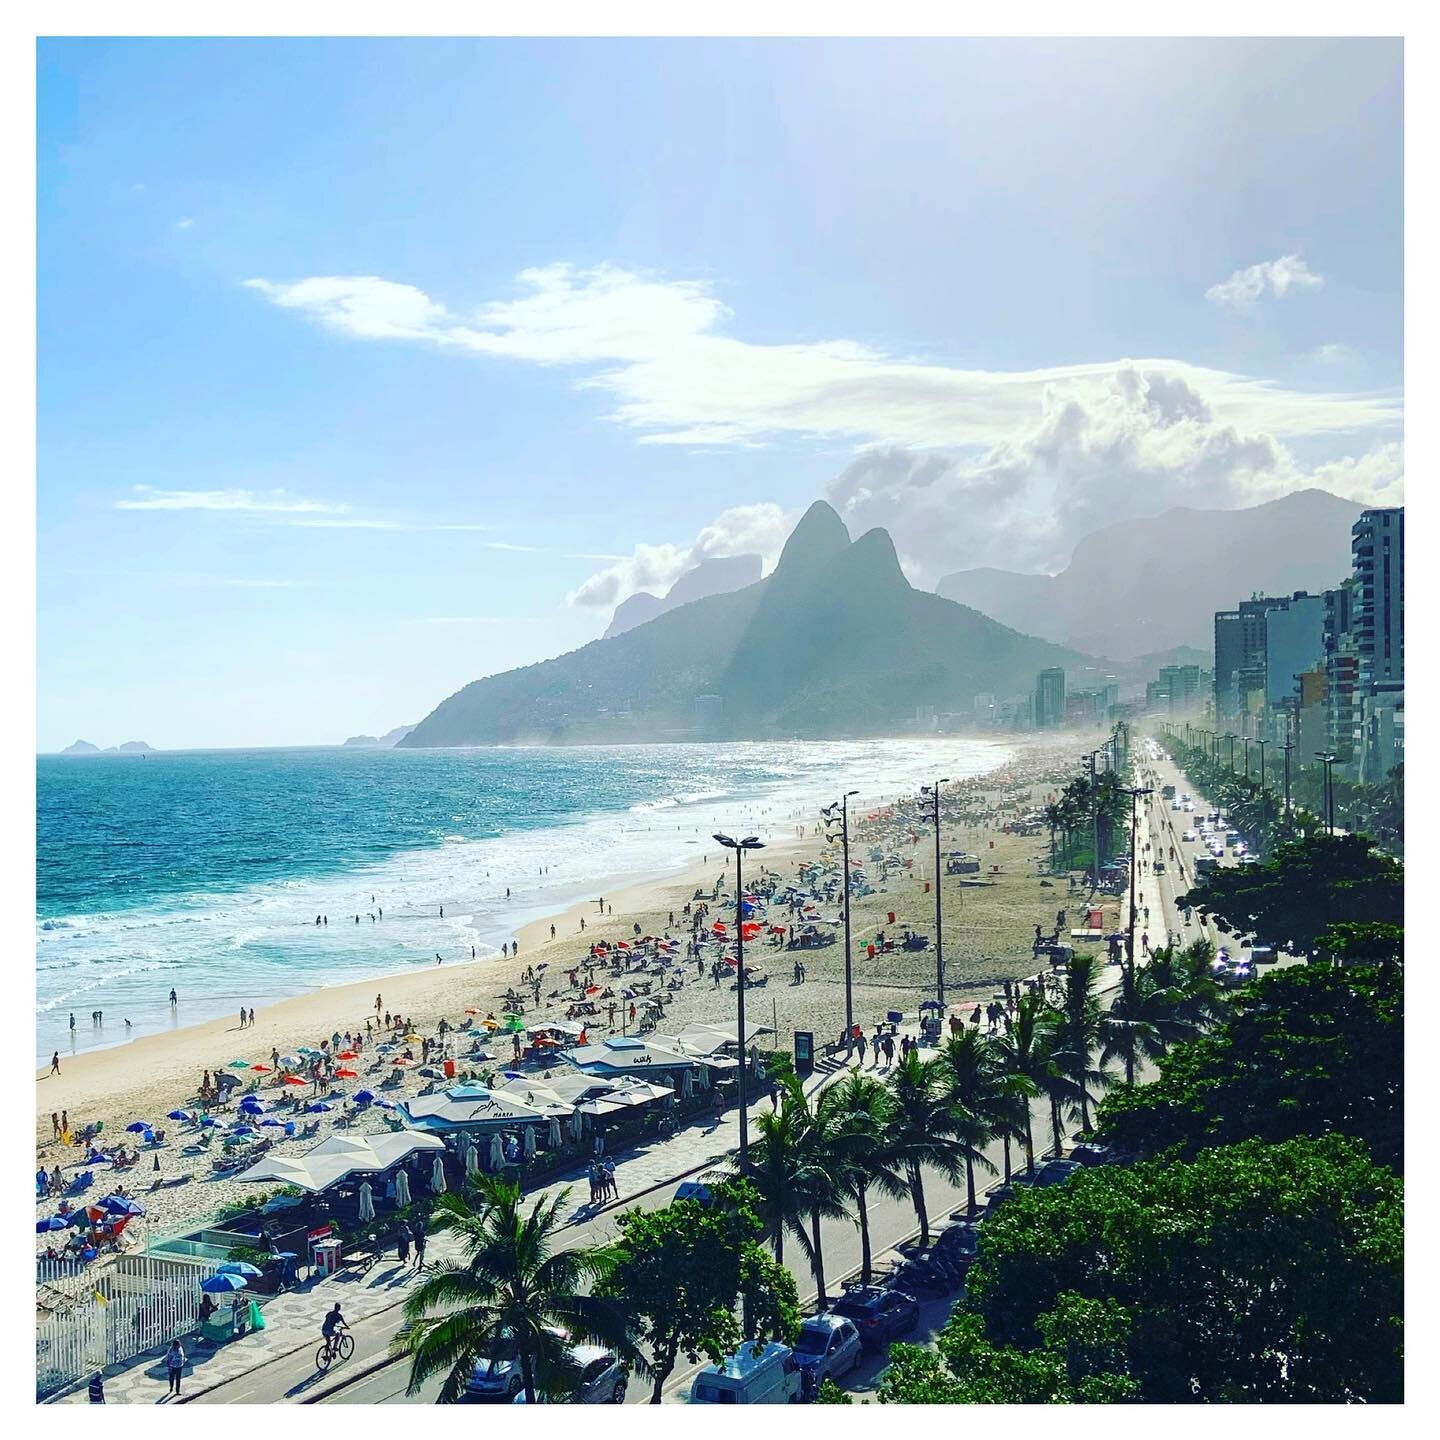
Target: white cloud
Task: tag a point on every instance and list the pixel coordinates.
(741, 530)
(184, 222)
(268, 502)
(1333, 354)
(1278, 277)
(657, 350)
(1147, 443)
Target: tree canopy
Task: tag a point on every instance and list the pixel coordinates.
(1308, 1050)
(1253, 1272)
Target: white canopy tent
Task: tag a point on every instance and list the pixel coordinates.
(340, 1157)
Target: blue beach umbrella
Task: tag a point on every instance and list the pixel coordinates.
(223, 1283)
(51, 1222)
(241, 1130)
(271, 1120)
(138, 1127)
(317, 1107)
(180, 1115)
(239, 1267)
(251, 1106)
(118, 1205)
(210, 1122)
(364, 1097)
(384, 1105)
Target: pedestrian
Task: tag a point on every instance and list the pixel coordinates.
(251, 1021)
(419, 1236)
(174, 1364)
(860, 1046)
(55, 1063)
(97, 1389)
(55, 1116)
(402, 1247)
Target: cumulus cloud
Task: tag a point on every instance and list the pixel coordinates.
(659, 351)
(1274, 277)
(1149, 441)
(741, 530)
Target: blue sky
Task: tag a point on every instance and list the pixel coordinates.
(367, 368)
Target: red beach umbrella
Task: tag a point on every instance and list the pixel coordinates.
(347, 1074)
(294, 1080)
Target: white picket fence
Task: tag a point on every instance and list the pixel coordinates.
(140, 1303)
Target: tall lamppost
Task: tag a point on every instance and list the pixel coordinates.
(1327, 801)
(844, 837)
(1231, 737)
(934, 793)
(1264, 793)
(1246, 740)
(1289, 746)
(750, 842)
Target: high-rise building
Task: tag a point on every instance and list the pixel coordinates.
(1377, 550)
(1049, 698)
(1229, 657)
(1294, 642)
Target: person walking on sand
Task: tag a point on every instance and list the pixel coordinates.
(55, 1117)
(55, 1063)
(174, 1365)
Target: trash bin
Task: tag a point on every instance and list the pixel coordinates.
(327, 1256)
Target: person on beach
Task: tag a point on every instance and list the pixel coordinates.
(419, 1237)
(55, 1063)
(242, 1017)
(55, 1115)
(72, 1022)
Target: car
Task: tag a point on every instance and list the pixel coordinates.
(1094, 1152)
(601, 1379)
(1056, 1172)
(827, 1347)
(1175, 805)
(1191, 836)
(1159, 867)
(879, 1315)
(1235, 973)
(756, 1374)
(497, 1376)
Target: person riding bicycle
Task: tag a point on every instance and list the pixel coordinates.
(332, 1326)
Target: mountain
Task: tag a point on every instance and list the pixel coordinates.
(380, 742)
(81, 747)
(709, 577)
(132, 747)
(1148, 585)
(834, 642)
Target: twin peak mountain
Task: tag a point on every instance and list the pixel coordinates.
(834, 642)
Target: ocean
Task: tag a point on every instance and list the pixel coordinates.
(205, 870)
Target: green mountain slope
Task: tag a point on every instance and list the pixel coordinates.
(834, 642)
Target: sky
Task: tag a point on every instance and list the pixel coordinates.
(367, 368)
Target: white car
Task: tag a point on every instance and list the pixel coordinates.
(1191, 836)
(827, 1347)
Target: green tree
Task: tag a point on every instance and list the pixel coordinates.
(1304, 887)
(922, 1129)
(1252, 1272)
(858, 1112)
(1022, 1053)
(1373, 944)
(1307, 1050)
(978, 1090)
(511, 1285)
(1079, 1035)
(678, 1275)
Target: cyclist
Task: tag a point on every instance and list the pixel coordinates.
(332, 1326)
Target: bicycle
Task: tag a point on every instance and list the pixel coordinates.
(337, 1347)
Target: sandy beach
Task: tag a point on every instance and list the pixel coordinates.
(989, 921)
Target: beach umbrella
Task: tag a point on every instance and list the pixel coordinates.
(51, 1222)
(366, 1212)
(384, 1049)
(294, 1080)
(241, 1130)
(437, 1177)
(261, 1069)
(242, 1268)
(402, 1189)
(497, 1155)
(253, 1105)
(119, 1205)
(209, 1122)
(383, 1104)
(472, 1158)
(223, 1283)
(515, 1023)
(239, 1064)
(345, 1074)
(687, 1085)
(155, 1168)
(471, 1010)
(138, 1127)
(309, 1053)
(529, 1142)
(555, 1140)
(364, 1097)
(289, 1062)
(228, 1081)
(413, 1039)
(577, 1125)
(271, 1120)
(349, 1055)
(180, 1115)
(318, 1107)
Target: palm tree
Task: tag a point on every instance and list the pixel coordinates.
(922, 1129)
(1022, 1053)
(1080, 1032)
(977, 1092)
(796, 1170)
(1131, 1029)
(1054, 1071)
(857, 1113)
(510, 1286)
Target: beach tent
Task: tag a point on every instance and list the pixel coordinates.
(340, 1157)
(471, 1108)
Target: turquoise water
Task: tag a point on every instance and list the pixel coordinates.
(205, 870)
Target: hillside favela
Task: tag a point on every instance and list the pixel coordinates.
(721, 722)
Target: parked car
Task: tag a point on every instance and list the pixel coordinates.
(601, 1379)
(879, 1315)
(1094, 1152)
(1056, 1172)
(827, 1347)
(765, 1375)
(497, 1377)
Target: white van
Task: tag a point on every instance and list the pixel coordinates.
(745, 1378)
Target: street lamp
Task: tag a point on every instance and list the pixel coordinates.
(1327, 803)
(750, 842)
(934, 793)
(1264, 793)
(1289, 746)
(1230, 736)
(829, 813)
(1246, 739)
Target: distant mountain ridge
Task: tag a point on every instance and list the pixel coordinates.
(130, 747)
(834, 642)
(1142, 586)
(382, 742)
(709, 577)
